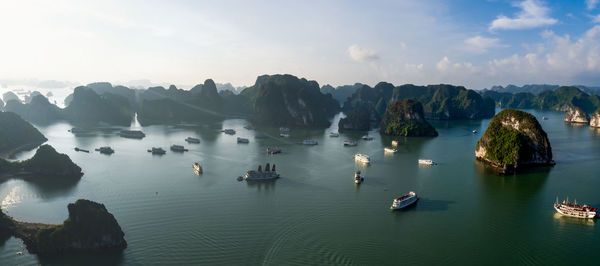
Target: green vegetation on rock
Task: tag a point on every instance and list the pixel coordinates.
(559, 99)
(358, 119)
(406, 118)
(45, 163)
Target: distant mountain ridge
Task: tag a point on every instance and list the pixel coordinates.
(539, 88)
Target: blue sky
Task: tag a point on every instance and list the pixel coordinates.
(472, 43)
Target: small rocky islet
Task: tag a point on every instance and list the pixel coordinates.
(514, 140)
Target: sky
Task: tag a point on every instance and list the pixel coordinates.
(476, 44)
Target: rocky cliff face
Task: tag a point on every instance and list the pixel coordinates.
(16, 134)
(359, 119)
(595, 121)
(513, 140)
(406, 118)
(48, 162)
(576, 115)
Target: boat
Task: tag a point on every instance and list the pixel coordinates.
(105, 150)
(362, 158)
(284, 129)
(76, 130)
(426, 161)
(574, 210)
(358, 178)
(249, 127)
(273, 150)
(334, 134)
(81, 150)
(474, 131)
(394, 143)
(132, 134)
(192, 140)
(404, 201)
(242, 140)
(228, 131)
(367, 137)
(350, 143)
(389, 150)
(178, 148)
(310, 142)
(158, 151)
(284, 135)
(259, 175)
(544, 118)
(197, 168)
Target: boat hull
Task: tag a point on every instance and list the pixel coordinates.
(398, 205)
(575, 213)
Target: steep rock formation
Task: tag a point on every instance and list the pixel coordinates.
(514, 139)
(16, 134)
(595, 121)
(46, 163)
(406, 118)
(358, 119)
(576, 115)
(37, 110)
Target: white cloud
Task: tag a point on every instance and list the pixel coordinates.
(479, 44)
(443, 64)
(596, 18)
(362, 55)
(533, 14)
(591, 4)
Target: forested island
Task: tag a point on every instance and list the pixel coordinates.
(406, 118)
(46, 163)
(17, 135)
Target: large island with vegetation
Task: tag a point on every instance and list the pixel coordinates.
(406, 118)
(46, 163)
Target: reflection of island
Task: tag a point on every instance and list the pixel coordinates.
(89, 227)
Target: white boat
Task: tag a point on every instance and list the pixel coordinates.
(228, 131)
(426, 162)
(132, 134)
(158, 151)
(367, 137)
(178, 148)
(404, 201)
(310, 142)
(574, 210)
(192, 140)
(284, 135)
(394, 143)
(350, 143)
(544, 118)
(389, 150)
(358, 178)
(334, 134)
(362, 158)
(242, 140)
(474, 131)
(260, 175)
(197, 168)
(105, 150)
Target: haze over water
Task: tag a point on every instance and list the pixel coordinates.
(314, 214)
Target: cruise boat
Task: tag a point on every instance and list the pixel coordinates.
(310, 142)
(158, 151)
(192, 140)
(105, 150)
(284, 135)
(132, 134)
(228, 131)
(197, 168)
(350, 143)
(178, 148)
(242, 140)
(394, 143)
(334, 134)
(358, 178)
(362, 158)
(273, 150)
(426, 162)
(367, 137)
(260, 175)
(404, 201)
(389, 150)
(574, 210)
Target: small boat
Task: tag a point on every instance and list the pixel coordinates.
(544, 118)
(334, 134)
(426, 162)
(273, 150)
(242, 140)
(474, 131)
(404, 201)
(367, 137)
(81, 150)
(178, 148)
(350, 143)
(259, 175)
(106, 150)
(76, 130)
(284, 135)
(192, 140)
(310, 142)
(362, 158)
(574, 210)
(197, 168)
(389, 150)
(228, 131)
(394, 143)
(19, 253)
(284, 129)
(358, 178)
(132, 134)
(158, 151)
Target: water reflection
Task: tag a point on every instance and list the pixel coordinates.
(528, 180)
(104, 258)
(564, 220)
(49, 188)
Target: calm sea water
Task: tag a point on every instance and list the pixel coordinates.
(314, 214)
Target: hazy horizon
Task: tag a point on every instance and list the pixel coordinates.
(149, 43)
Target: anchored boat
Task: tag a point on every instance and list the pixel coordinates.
(358, 178)
(350, 143)
(178, 148)
(106, 150)
(389, 150)
(197, 168)
(158, 151)
(132, 134)
(192, 140)
(242, 140)
(362, 158)
(426, 162)
(404, 201)
(228, 131)
(574, 210)
(259, 175)
(367, 137)
(334, 134)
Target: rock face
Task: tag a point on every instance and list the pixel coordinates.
(37, 110)
(595, 121)
(406, 118)
(90, 227)
(48, 162)
(576, 115)
(358, 119)
(513, 140)
(89, 107)
(16, 134)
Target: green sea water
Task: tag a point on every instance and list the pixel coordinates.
(314, 214)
